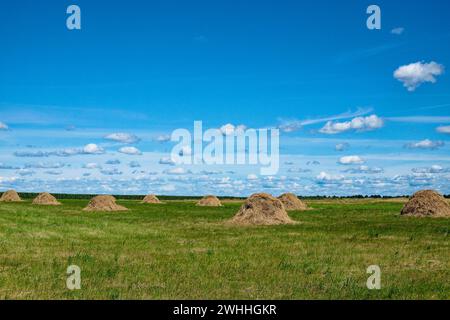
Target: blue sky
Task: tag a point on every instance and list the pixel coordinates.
(148, 68)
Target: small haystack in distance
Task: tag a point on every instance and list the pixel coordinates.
(46, 199)
(262, 209)
(104, 203)
(209, 201)
(10, 196)
(151, 199)
(427, 203)
(292, 203)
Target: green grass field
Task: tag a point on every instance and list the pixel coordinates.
(180, 251)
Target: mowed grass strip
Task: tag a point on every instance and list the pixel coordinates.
(178, 250)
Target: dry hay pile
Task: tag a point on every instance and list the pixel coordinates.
(152, 199)
(209, 201)
(46, 199)
(262, 209)
(10, 196)
(291, 202)
(427, 203)
(104, 203)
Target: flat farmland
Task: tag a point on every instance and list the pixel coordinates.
(177, 250)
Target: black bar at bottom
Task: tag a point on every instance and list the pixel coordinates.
(222, 309)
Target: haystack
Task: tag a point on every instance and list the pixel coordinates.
(427, 203)
(10, 196)
(46, 199)
(151, 199)
(262, 209)
(209, 201)
(104, 203)
(292, 203)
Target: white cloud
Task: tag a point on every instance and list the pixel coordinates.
(210, 172)
(54, 172)
(74, 151)
(342, 146)
(323, 176)
(365, 170)
(113, 161)
(414, 180)
(7, 180)
(92, 148)
(425, 144)
(163, 138)
(414, 74)
(432, 169)
(31, 154)
(443, 129)
(8, 167)
(177, 171)
(252, 177)
(25, 172)
(122, 137)
(436, 169)
(398, 31)
(111, 172)
(42, 165)
(133, 151)
(357, 124)
(347, 160)
(230, 129)
(298, 170)
(91, 166)
(87, 149)
(134, 164)
(166, 161)
(326, 177)
(295, 125)
(3, 126)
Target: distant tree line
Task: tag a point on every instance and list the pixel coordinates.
(62, 196)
